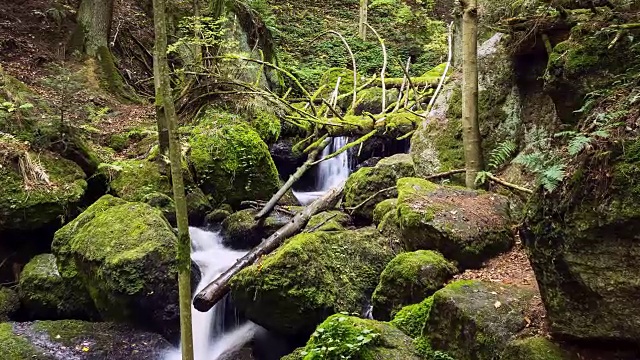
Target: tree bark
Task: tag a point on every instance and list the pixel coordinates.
(362, 28)
(266, 210)
(160, 55)
(164, 98)
(470, 127)
(215, 291)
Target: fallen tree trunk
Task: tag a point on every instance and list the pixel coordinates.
(266, 210)
(216, 290)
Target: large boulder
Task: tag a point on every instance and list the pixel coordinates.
(311, 276)
(231, 162)
(411, 319)
(46, 295)
(475, 319)
(73, 339)
(409, 278)
(334, 220)
(370, 181)
(241, 231)
(38, 189)
(9, 303)
(124, 255)
(382, 209)
(348, 337)
(533, 348)
(285, 158)
(148, 181)
(464, 225)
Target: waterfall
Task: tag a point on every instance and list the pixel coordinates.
(330, 173)
(213, 334)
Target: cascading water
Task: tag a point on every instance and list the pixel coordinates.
(330, 173)
(213, 335)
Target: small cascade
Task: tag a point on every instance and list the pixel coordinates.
(215, 333)
(330, 173)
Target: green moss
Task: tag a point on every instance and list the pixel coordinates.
(15, 347)
(40, 205)
(119, 251)
(370, 100)
(110, 77)
(329, 221)
(9, 303)
(533, 348)
(411, 319)
(407, 279)
(310, 276)
(382, 209)
(266, 124)
(232, 163)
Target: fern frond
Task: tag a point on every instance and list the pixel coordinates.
(577, 144)
(481, 177)
(501, 154)
(552, 177)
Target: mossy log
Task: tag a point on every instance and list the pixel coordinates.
(216, 290)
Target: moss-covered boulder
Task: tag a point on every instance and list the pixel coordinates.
(409, 278)
(148, 181)
(9, 303)
(266, 124)
(73, 339)
(370, 100)
(389, 227)
(533, 348)
(369, 181)
(241, 231)
(464, 225)
(231, 162)
(476, 320)
(334, 220)
(46, 295)
(311, 276)
(48, 192)
(348, 337)
(382, 209)
(124, 255)
(411, 319)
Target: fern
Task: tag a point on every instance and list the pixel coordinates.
(501, 154)
(552, 177)
(577, 144)
(481, 177)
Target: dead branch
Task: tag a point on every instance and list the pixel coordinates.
(508, 184)
(384, 66)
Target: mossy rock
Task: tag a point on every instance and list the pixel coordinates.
(73, 339)
(382, 209)
(464, 225)
(369, 181)
(390, 228)
(231, 162)
(266, 124)
(9, 303)
(124, 254)
(533, 348)
(217, 216)
(370, 100)
(311, 276)
(333, 220)
(476, 320)
(241, 231)
(147, 181)
(582, 244)
(36, 205)
(342, 336)
(409, 278)
(46, 295)
(411, 319)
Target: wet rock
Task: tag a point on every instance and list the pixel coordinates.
(124, 255)
(9, 303)
(390, 228)
(383, 208)
(489, 314)
(46, 295)
(78, 340)
(464, 225)
(370, 100)
(311, 276)
(411, 319)
(368, 182)
(285, 159)
(409, 278)
(342, 336)
(533, 348)
(334, 220)
(241, 231)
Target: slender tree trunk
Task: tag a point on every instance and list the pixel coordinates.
(470, 127)
(362, 28)
(161, 119)
(164, 97)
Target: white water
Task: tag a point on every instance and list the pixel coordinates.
(330, 173)
(213, 338)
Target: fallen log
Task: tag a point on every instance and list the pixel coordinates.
(266, 210)
(217, 289)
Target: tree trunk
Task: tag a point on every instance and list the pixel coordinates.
(362, 27)
(160, 55)
(215, 291)
(164, 97)
(470, 127)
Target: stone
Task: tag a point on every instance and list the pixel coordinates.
(533, 348)
(382, 209)
(241, 231)
(9, 303)
(333, 220)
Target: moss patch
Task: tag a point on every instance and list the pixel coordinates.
(334, 220)
(533, 348)
(9, 303)
(382, 209)
(411, 319)
(16, 347)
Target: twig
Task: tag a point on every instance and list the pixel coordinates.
(445, 174)
(320, 225)
(509, 185)
(404, 81)
(411, 86)
(384, 66)
(353, 209)
(444, 75)
(353, 64)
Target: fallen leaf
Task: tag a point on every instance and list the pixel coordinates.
(497, 304)
(85, 348)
